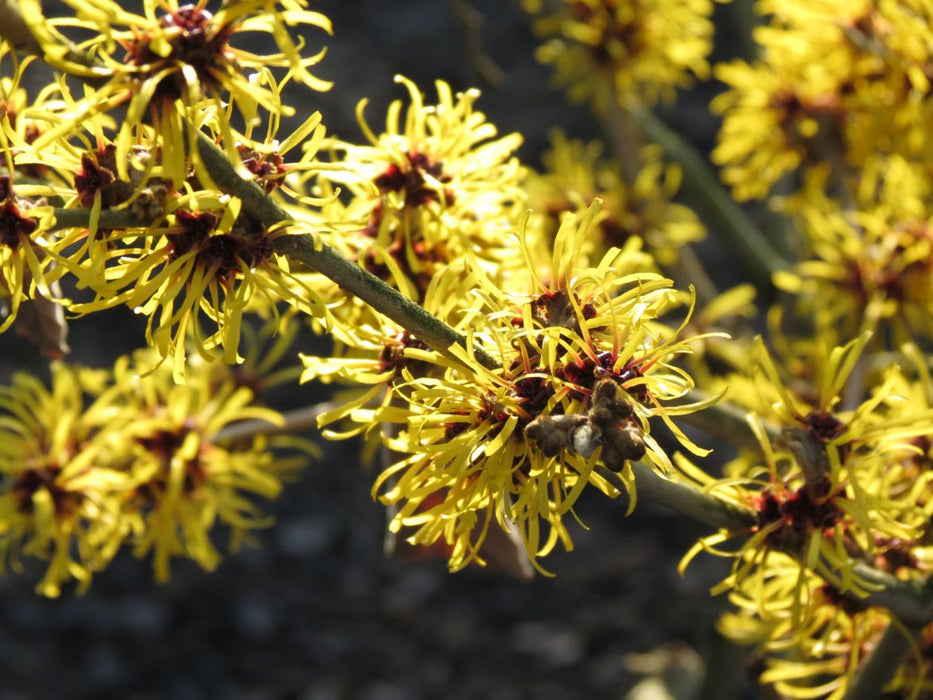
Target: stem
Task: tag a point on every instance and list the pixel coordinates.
(911, 601)
(109, 219)
(726, 421)
(745, 18)
(889, 654)
(811, 457)
(688, 269)
(683, 498)
(470, 22)
(295, 421)
(726, 218)
(625, 138)
(304, 249)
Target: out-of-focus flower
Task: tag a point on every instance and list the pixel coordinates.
(59, 497)
(575, 174)
(185, 483)
(104, 460)
(870, 268)
(838, 81)
(627, 51)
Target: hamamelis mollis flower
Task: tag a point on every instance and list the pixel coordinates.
(846, 482)
(838, 81)
(628, 51)
(435, 185)
(185, 481)
(21, 254)
(128, 458)
(584, 366)
(205, 264)
(575, 174)
(814, 636)
(870, 268)
(175, 60)
(851, 432)
(21, 114)
(59, 498)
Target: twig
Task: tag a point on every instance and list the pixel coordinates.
(295, 421)
(348, 275)
(725, 218)
(304, 250)
(470, 21)
(625, 138)
(911, 601)
(810, 455)
(889, 654)
(684, 498)
(726, 421)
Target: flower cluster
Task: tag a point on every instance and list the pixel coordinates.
(436, 184)
(630, 51)
(501, 338)
(837, 82)
(170, 247)
(105, 460)
(871, 262)
(175, 64)
(842, 488)
(575, 174)
(582, 365)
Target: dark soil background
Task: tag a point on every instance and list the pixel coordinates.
(318, 612)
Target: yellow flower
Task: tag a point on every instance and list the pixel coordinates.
(174, 62)
(632, 51)
(21, 115)
(815, 636)
(59, 496)
(583, 368)
(185, 482)
(869, 268)
(576, 174)
(838, 81)
(106, 459)
(21, 254)
(435, 185)
(846, 482)
(207, 263)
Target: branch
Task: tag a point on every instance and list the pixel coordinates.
(889, 654)
(295, 421)
(683, 498)
(910, 601)
(348, 275)
(726, 421)
(301, 249)
(726, 218)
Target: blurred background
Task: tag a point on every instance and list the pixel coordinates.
(318, 612)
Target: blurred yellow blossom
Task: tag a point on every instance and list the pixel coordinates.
(627, 51)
